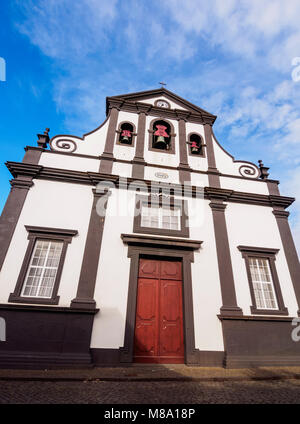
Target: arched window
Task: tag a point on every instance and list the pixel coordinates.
(161, 138)
(196, 145)
(126, 133)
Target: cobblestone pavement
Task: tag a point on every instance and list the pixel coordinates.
(105, 392)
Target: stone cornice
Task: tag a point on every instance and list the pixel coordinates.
(281, 214)
(278, 201)
(18, 169)
(160, 242)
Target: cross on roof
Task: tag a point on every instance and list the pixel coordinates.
(162, 84)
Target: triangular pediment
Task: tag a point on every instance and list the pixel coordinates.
(152, 96)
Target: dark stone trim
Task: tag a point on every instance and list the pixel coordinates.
(42, 233)
(171, 151)
(93, 178)
(44, 337)
(112, 357)
(184, 168)
(254, 318)
(107, 156)
(138, 163)
(203, 146)
(60, 233)
(32, 154)
(160, 242)
(289, 250)
(273, 187)
(258, 251)
(224, 260)
(266, 253)
(135, 252)
(105, 356)
(252, 341)
(89, 269)
(137, 228)
(213, 173)
(46, 308)
(133, 135)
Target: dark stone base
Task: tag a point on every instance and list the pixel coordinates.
(259, 341)
(34, 360)
(113, 357)
(46, 337)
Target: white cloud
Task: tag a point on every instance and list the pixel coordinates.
(65, 29)
(247, 27)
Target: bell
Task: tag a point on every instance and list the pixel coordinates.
(125, 139)
(194, 148)
(160, 143)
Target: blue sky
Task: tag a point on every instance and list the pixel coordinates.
(231, 57)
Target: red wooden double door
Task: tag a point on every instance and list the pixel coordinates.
(159, 318)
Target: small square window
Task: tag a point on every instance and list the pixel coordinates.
(167, 218)
(155, 217)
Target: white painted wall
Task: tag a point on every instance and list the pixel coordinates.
(226, 163)
(122, 169)
(199, 180)
(54, 205)
(71, 162)
(205, 279)
(113, 273)
(153, 174)
(251, 225)
(91, 144)
(247, 186)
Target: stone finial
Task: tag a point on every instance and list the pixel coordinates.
(263, 170)
(43, 139)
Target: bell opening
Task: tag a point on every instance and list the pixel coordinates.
(161, 135)
(195, 144)
(126, 131)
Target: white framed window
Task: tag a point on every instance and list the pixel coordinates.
(163, 217)
(262, 281)
(42, 270)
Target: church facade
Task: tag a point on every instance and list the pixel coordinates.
(145, 241)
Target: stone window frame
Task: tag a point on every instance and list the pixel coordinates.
(203, 145)
(47, 234)
(158, 201)
(270, 255)
(172, 149)
(118, 132)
